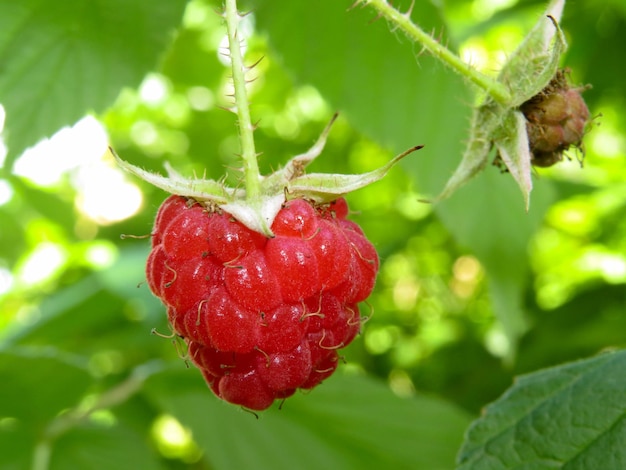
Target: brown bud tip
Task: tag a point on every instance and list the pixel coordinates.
(556, 119)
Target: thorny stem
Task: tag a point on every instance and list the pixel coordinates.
(242, 109)
(495, 89)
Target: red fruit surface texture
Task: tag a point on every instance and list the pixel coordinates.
(262, 317)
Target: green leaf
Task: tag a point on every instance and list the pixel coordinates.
(347, 422)
(354, 62)
(39, 383)
(49, 204)
(488, 215)
(63, 320)
(571, 416)
(16, 445)
(61, 60)
(105, 448)
(12, 235)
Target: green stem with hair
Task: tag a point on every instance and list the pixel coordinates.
(252, 175)
(496, 90)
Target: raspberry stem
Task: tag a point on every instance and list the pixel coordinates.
(495, 89)
(242, 109)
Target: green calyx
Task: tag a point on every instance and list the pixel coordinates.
(501, 124)
(498, 122)
(257, 205)
(290, 182)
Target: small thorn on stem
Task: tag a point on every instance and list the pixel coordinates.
(257, 62)
(354, 5)
(409, 12)
(375, 19)
(231, 109)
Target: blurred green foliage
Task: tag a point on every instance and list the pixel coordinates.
(471, 292)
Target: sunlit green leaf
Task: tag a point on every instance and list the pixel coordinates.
(39, 383)
(12, 235)
(581, 334)
(570, 416)
(16, 446)
(61, 60)
(102, 448)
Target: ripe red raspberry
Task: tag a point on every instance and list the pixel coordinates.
(262, 316)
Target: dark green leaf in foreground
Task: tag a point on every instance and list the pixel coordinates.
(37, 383)
(63, 59)
(16, 445)
(347, 422)
(568, 417)
(102, 448)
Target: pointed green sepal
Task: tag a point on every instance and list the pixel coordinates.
(200, 189)
(485, 121)
(514, 150)
(258, 212)
(327, 187)
(526, 73)
(533, 64)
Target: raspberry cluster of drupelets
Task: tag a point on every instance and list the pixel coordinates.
(261, 316)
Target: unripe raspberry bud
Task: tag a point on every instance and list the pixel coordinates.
(556, 119)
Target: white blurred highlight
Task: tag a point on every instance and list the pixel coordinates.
(104, 194)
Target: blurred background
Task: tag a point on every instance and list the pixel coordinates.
(471, 292)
